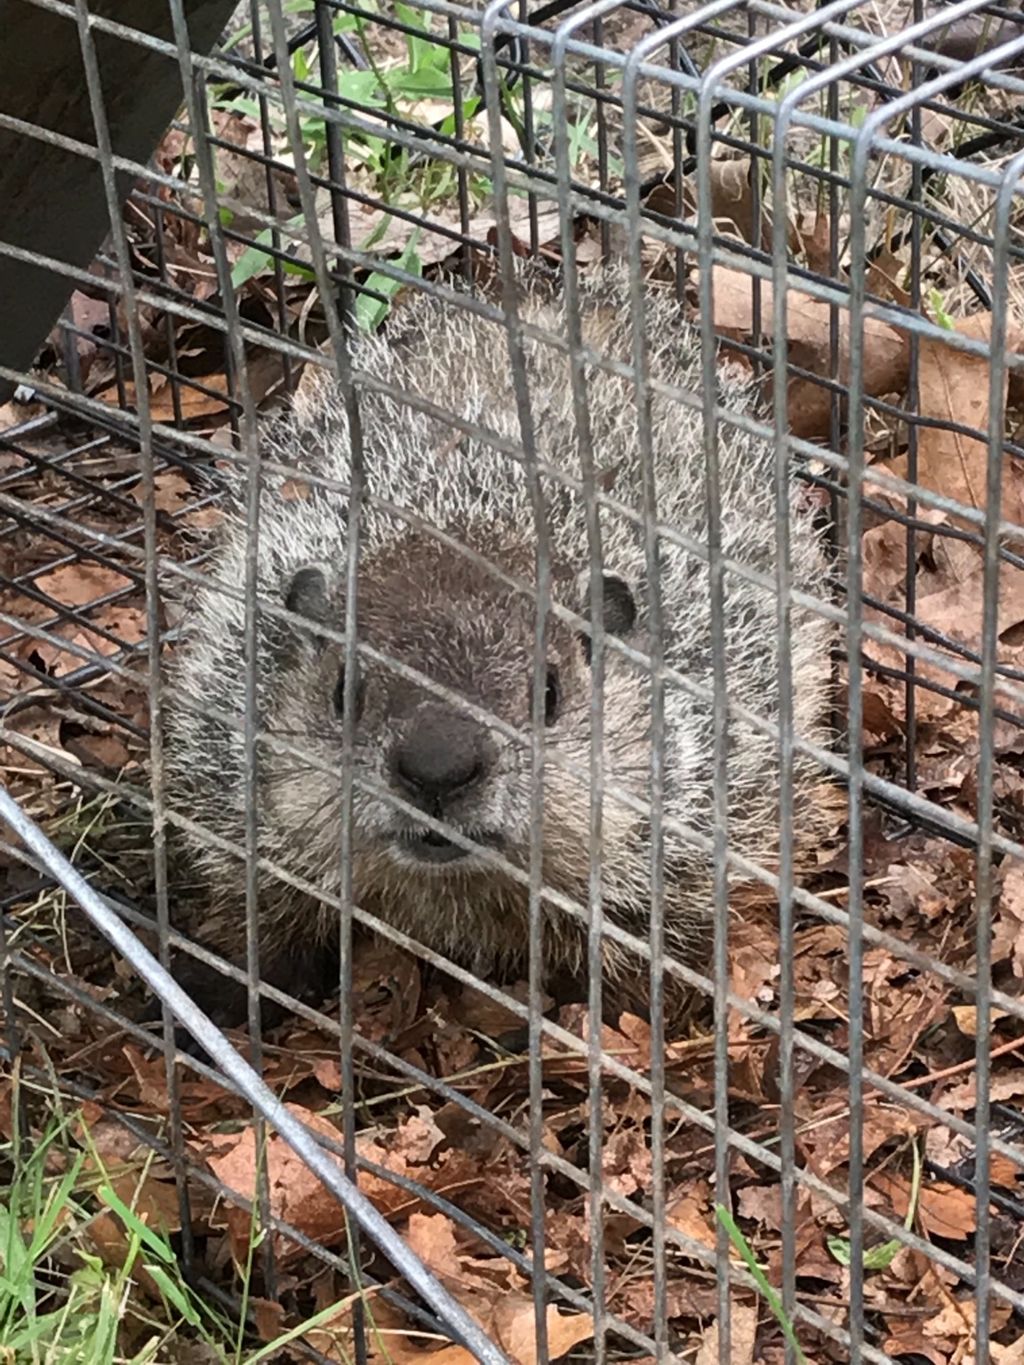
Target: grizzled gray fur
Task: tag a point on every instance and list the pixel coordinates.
(427, 606)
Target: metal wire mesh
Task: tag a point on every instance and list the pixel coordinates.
(833, 196)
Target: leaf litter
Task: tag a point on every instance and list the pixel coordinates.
(916, 885)
(919, 1031)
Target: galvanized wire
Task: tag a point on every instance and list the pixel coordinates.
(248, 1082)
(515, 50)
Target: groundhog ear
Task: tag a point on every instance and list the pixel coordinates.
(308, 594)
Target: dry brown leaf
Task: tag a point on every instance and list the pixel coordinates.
(1005, 1085)
(508, 1319)
(742, 1337)
(753, 972)
(808, 320)
(514, 1329)
(295, 1193)
(12, 415)
(386, 990)
(944, 1210)
(76, 585)
(270, 1317)
(1008, 919)
(108, 753)
(762, 1204)
(242, 178)
(626, 1162)
(828, 1142)
(690, 1213)
(417, 1138)
(126, 624)
(1002, 1171)
(954, 387)
(954, 1320)
(477, 1011)
(906, 1339)
(172, 492)
(913, 887)
(89, 315)
(886, 274)
(1008, 1355)
(432, 1237)
(885, 545)
(386, 1332)
(191, 401)
(966, 1017)
(575, 1019)
(109, 1237)
(732, 198)
(956, 609)
(814, 242)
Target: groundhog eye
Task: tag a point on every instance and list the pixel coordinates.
(552, 697)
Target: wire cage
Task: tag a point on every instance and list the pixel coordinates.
(817, 1155)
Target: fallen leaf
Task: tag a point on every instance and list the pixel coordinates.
(172, 492)
(966, 1017)
(432, 1237)
(690, 1213)
(508, 1319)
(192, 402)
(417, 1138)
(808, 322)
(295, 1193)
(270, 1317)
(953, 386)
(77, 585)
(110, 1238)
(1008, 919)
(515, 1330)
(1005, 1085)
(906, 1340)
(1008, 1355)
(944, 1210)
(956, 609)
(732, 198)
(886, 275)
(477, 1011)
(828, 1143)
(108, 752)
(814, 241)
(742, 1336)
(762, 1204)
(626, 1162)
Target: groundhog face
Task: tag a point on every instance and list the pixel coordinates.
(443, 706)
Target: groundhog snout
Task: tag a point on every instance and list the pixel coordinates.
(442, 755)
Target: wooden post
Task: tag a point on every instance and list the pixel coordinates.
(52, 200)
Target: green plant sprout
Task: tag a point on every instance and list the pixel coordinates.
(764, 1288)
(880, 1257)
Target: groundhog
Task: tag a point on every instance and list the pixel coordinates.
(446, 572)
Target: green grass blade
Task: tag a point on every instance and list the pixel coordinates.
(767, 1292)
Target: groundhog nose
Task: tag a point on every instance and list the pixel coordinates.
(440, 755)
